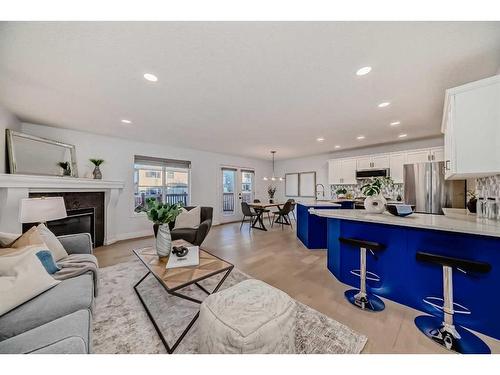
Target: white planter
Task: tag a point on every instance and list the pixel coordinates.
(375, 204)
(163, 241)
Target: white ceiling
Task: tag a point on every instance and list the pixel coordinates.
(243, 88)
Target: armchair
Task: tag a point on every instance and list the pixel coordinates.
(194, 235)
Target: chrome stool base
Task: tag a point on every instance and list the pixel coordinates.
(369, 303)
(468, 343)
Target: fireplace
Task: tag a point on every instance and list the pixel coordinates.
(85, 212)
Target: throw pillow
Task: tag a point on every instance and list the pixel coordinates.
(22, 277)
(7, 239)
(53, 244)
(45, 256)
(188, 219)
(30, 237)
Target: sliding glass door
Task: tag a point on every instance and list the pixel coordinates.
(237, 185)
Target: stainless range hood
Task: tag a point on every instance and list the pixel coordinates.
(369, 173)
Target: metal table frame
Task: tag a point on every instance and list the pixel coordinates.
(173, 292)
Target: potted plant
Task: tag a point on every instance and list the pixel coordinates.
(66, 167)
(375, 201)
(472, 202)
(341, 192)
(97, 171)
(271, 190)
(161, 214)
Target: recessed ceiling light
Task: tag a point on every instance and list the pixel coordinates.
(126, 121)
(360, 137)
(383, 104)
(395, 123)
(320, 139)
(364, 70)
(402, 135)
(150, 77)
(337, 146)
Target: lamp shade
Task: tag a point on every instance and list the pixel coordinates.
(40, 210)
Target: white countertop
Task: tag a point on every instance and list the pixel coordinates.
(320, 204)
(468, 224)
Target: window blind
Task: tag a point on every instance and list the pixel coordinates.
(169, 163)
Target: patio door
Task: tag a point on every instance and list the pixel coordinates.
(237, 185)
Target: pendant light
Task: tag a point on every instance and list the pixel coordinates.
(273, 178)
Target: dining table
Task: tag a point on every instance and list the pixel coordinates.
(258, 222)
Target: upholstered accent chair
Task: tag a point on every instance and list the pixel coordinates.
(194, 235)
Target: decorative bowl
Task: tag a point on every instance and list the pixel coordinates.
(401, 210)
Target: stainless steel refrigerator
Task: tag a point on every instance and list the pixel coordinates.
(426, 188)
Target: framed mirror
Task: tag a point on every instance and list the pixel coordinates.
(33, 155)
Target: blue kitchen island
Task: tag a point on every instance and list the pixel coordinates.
(311, 229)
(406, 280)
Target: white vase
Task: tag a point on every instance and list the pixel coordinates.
(163, 241)
(375, 204)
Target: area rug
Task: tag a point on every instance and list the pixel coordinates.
(121, 324)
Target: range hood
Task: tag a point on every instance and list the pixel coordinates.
(369, 173)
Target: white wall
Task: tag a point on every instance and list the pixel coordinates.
(119, 158)
(319, 163)
(7, 121)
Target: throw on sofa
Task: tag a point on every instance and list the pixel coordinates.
(194, 235)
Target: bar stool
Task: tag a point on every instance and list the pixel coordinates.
(444, 332)
(359, 297)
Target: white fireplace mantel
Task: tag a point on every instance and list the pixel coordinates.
(14, 187)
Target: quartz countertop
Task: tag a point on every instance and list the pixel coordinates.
(320, 204)
(468, 224)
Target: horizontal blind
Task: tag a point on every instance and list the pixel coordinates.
(229, 169)
(247, 171)
(171, 163)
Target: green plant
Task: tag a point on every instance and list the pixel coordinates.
(374, 187)
(97, 162)
(161, 213)
(271, 190)
(341, 190)
(66, 167)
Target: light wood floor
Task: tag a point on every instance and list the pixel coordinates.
(279, 258)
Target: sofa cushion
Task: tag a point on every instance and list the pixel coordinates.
(65, 298)
(68, 334)
(188, 219)
(186, 234)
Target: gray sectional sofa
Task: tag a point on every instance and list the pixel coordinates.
(57, 321)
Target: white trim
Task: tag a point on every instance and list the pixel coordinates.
(131, 235)
(48, 182)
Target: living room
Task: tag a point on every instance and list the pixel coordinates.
(196, 186)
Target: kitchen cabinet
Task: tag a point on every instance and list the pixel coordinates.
(373, 162)
(418, 156)
(437, 154)
(397, 161)
(342, 171)
(471, 126)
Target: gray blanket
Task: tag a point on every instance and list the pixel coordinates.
(78, 264)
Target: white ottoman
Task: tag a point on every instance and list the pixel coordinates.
(249, 317)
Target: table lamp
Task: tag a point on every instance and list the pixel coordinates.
(41, 210)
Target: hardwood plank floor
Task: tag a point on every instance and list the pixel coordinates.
(279, 258)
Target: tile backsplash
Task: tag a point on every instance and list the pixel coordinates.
(488, 186)
(355, 190)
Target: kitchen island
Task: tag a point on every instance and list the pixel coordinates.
(311, 229)
(406, 280)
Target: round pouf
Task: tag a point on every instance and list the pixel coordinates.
(249, 317)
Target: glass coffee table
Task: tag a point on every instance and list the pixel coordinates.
(174, 279)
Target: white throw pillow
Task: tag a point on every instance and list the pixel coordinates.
(188, 219)
(54, 245)
(8, 238)
(22, 277)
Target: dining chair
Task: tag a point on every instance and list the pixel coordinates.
(264, 210)
(293, 207)
(247, 212)
(283, 214)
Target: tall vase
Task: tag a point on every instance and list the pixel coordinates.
(163, 241)
(375, 204)
(97, 173)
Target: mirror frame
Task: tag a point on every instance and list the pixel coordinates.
(11, 151)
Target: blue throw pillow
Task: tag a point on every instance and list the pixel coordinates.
(48, 262)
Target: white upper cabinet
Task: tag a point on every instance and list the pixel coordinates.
(471, 125)
(349, 171)
(364, 163)
(373, 162)
(342, 171)
(437, 154)
(397, 160)
(418, 156)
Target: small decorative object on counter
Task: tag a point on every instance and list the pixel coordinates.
(97, 171)
(341, 192)
(375, 201)
(161, 214)
(401, 210)
(472, 202)
(271, 190)
(66, 167)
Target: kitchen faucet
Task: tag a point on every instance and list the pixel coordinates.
(322, 191)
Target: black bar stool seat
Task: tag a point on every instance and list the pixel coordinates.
(444, 332)
(359, 297)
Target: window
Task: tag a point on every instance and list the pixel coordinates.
(247, 186)
(166, 180)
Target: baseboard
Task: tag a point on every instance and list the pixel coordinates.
(130, 235)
